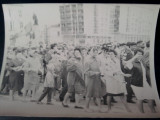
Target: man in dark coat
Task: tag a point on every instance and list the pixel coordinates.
(128, 55)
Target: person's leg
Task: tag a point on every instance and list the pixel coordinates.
(63, 93)
(66, 97)
(3, 84)
(6, 89)
(151, 106)
(140, 105)
(129, 95)
(33, 93)
(49, 96)
(45, 91)
(25, 94)
(99, 106)
(125, 103)
(11, 94)
(77, 97)
(105, 99)
(113, 100)
(88, 99)
(72, 97)
(98, 103)
(109, 102)
(95, 101)
(35, 89)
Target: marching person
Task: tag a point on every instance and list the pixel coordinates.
(94, 85)
(16, 76)
(115, 84)
(34, 67)
(74, 79)
(64, 74)
(49, 83)
(139, 83)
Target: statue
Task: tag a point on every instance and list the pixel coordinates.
(35, 19)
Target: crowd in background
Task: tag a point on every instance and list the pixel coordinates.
(100, 72)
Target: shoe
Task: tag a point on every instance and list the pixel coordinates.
(64, 105)
(73, 100)
(20, 93)
(145, 101)
(39, 102)
(78, 107)
(49, 103)
(130, 101)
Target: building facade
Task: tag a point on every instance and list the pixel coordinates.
(72, 23)
(101, 23)
(135, 23)
(90, 24)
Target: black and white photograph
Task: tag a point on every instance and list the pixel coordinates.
(79, 60)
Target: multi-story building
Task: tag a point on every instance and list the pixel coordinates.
(53, 34)
(72, 23)
(101, 23)
(14, 22)
(21, 31)
(91, 24)
(135, 23)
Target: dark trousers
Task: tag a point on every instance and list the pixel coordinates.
(47, 91)
(129, 90)
(4, 83)
(63, 92)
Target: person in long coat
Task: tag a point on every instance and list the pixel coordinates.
(75, 79)
(33, 79)
(115, 82)
(16, 76)
(94, 86)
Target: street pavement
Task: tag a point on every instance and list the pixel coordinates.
(20, 107)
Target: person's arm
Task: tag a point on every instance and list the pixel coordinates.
(88, 71)
(129, 64)
(71, 65)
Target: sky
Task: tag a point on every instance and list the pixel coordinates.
(47, 13)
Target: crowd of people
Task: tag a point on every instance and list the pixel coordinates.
(99, 73)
